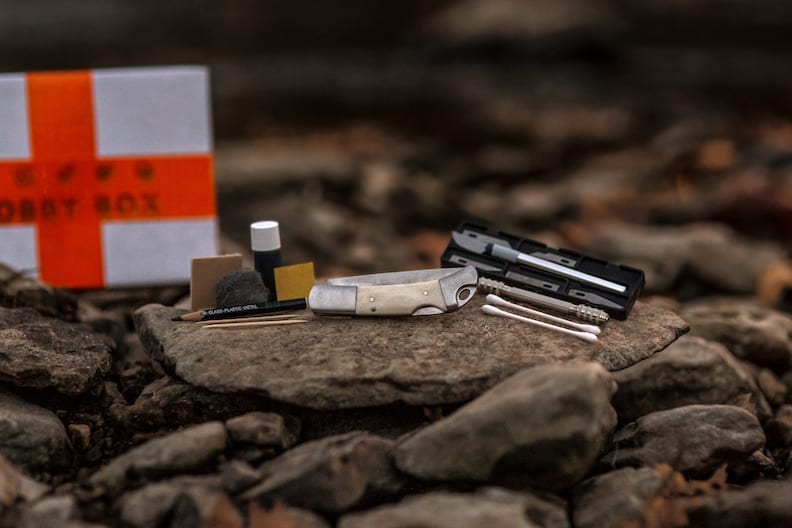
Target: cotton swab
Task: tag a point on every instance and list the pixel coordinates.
(499, 301)
(585, 336)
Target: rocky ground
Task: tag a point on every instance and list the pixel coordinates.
(680, 416)
(654, 134)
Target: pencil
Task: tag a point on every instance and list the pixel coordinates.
(255, 323)
(242, 310)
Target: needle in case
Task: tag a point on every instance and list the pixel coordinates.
(498, 301)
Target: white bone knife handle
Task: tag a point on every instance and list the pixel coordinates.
(398, 299)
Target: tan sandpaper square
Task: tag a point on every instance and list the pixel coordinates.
(206, 273)
(295, 281)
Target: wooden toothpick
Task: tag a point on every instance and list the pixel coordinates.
(281, 317)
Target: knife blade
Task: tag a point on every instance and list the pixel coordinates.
(421, 292)
(472, 242)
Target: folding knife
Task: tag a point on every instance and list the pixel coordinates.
(422, 292)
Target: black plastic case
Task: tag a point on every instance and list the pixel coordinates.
(618, 305)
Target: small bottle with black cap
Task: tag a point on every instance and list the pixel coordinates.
(265, 243)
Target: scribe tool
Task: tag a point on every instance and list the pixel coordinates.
(587, 313)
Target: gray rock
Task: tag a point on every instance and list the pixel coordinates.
(779, 429)
(694, 440)
(80, 435)
(46, 353)
(759, 335)
(615, 499)
(168, 402)
(330, 475)
(187, 450)
(110, 323)
(488, 507)
(240, 287)
(32, 437)
(773, 388)
(238, 476)
(263, 429)
(765, 504)
(786, 379)
(756, 466)
(151, 504)
(14, 485)
(334, 363)
(691, 370)
(711, 253)
(17, 291)
(543, 427)
(57, 510)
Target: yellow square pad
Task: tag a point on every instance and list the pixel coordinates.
(295, 281)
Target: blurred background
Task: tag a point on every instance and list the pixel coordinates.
(656, 133)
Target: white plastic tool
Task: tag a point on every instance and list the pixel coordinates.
(492, 310)
(499, 301)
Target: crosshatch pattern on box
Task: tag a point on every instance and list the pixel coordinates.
(106, 176)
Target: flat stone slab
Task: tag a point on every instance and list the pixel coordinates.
(339, 362)
(45, 353)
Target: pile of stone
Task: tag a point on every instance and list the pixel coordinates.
(675, 418)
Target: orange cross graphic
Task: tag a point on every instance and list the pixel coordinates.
(68, 191)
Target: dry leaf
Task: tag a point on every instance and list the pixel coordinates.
(277, 516)
(223, 514)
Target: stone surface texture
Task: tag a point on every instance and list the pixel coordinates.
(335, 362)
(180, 452)
(759, 335)
(168, 402)
(544, 427)
(31, 437)
(490, 507)
(17, 291)
(779, 429)
(615, 499)
(695, 439)
(45, 353)
(56, 510)
(330, 475)
(263, 429)
(764, 504)
(773, 388)
(151, 504)
(14, 485)
(690, 371)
